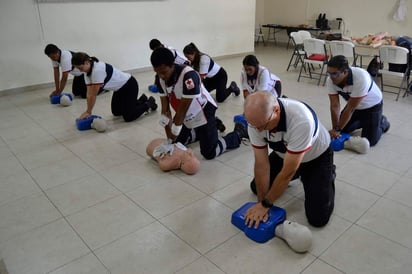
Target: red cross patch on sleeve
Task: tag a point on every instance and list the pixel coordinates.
(189, 84)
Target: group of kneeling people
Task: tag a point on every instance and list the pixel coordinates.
(300, 144)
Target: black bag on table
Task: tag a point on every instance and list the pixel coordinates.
(374, 66)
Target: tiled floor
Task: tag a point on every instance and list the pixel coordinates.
(88, 202)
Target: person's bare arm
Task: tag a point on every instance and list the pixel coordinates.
(56, 76)
(92, 91)
(258, 212)
(181, 113)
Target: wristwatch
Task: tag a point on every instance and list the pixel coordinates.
(266, 204)
(337, 128)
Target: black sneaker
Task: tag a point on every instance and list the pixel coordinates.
(234, 88)
(253, 187)
(151, 103)
(219, 124)
(241, 131)
(142, 99)
(385, 124)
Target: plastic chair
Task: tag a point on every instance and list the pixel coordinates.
(298, 52)
(259, 35)
(289, 30)
(315, 54)
(304, 34)
(345, 48)
(395, 61)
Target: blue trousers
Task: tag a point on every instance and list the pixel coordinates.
(369, 120)
(211, 145)
(318, 178)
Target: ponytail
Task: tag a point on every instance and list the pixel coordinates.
(79, 58)
(192, 49)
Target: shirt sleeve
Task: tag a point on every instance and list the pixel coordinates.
(331, 87)
(300, 138)
(191, 84)
(256, 138)
(98, 74)
(159, 83)
(243, 80)
(66, 61)
(264, 81)
(360, 86)
(55, 64)
(204, 65)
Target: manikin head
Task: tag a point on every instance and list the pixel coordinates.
(181, 158)
(298, 236)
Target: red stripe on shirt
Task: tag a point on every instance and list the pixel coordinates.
(259, 147)
(299, 152)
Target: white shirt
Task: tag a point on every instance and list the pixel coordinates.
(298, 131)
(179, 57)
(208, 68)
(359, 85)
(186, 83)
(66, 63)
(264, 80)
(98, 75)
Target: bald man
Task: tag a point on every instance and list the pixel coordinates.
(301, 148)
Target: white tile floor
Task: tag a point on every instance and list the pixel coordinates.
(88, 202)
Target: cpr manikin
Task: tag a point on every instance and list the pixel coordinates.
(173, 156)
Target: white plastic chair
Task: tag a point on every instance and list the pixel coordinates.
(259, 36)
(298, 52)
(315, 54)
(345, 48)
(304, 34)
(390, 56)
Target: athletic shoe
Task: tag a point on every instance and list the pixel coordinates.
(385, 124)
(151, 103)
(241, 131)
(234, 88)
(253, 187)
(142, 99)
(219, 125)
(357, 144)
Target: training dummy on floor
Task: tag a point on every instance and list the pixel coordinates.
(173, 156)
(297, 236)
(355, 143)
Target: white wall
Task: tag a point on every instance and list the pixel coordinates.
(260, 13)
(116, 32)
(361, 17)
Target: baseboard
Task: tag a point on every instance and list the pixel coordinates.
(50, 85)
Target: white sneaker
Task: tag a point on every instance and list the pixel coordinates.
(357, 144)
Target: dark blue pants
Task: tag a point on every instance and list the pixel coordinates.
(218, 82)
(125, 103)
(318, 178)
(211, 145)
(79, 87)
(369, 120)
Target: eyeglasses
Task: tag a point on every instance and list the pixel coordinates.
(263, 127)
(334, 74)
